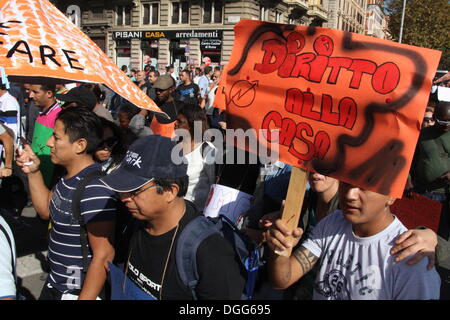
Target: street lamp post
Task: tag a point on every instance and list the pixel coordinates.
(403, 20)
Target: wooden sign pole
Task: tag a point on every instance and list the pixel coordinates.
(294, 202)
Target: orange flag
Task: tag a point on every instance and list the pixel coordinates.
(38, 41)
(345, 105)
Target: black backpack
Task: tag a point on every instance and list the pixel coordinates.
(123, 229)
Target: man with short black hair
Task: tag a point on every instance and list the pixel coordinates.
(187, 90)
(77, 134)
(197, 75)
(143, 84)
(153, 76)
(152, 186)
(170, 70)
(203, 84)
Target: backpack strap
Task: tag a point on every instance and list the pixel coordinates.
(246, 251)
(76, 213)
(188, 242)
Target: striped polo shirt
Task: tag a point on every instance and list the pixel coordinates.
(98, 203)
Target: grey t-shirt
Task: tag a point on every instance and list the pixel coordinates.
(353, 268)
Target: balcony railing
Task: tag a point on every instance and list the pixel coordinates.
(300, 3)
(318, 12)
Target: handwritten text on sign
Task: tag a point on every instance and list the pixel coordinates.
(346, 105)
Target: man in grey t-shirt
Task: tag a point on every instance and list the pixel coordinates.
(353, 249)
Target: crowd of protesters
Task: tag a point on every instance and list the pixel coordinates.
(89, 161)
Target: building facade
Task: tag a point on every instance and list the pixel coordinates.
(347, 15)
(180, 32)
(376, 23)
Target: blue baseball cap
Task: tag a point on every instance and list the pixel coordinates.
(147, 158)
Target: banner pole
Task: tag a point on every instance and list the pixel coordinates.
(294, 202)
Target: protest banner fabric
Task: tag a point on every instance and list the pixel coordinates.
(38, 41)
(346, 105)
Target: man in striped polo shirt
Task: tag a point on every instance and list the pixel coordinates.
(76, 135)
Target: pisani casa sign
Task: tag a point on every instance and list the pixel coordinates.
(199, 34)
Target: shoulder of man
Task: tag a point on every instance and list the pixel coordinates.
(96, 186)
(98, 201)
(415, 282)
(331, 225)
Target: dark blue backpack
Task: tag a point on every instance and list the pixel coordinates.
(201, 228)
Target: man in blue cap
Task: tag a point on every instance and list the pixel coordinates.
(152, 181)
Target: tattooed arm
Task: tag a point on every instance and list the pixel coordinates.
(284, 271)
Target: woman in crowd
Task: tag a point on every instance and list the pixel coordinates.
(112, 148)
(199, 153)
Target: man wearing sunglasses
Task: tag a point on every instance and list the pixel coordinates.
(428, 118)
(431, 165)
(430, 172)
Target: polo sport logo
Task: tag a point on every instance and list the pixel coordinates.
(133, 159)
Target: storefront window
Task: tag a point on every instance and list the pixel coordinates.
(149, 52)
(123, 52)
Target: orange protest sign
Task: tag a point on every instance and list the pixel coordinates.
(38, 41)
(346, 105)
